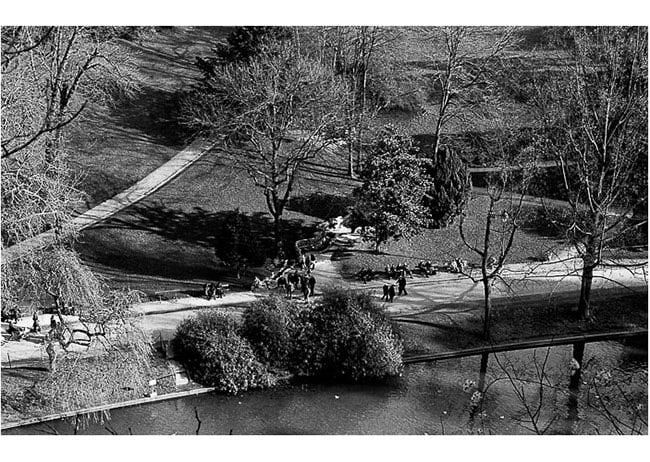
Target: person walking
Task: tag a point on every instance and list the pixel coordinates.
(391, 293)
(401, 284)
(312, 284)
(385, 296)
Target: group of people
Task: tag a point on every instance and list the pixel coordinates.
(213, 290)
(17, 333)
(389, 290)
(427, 268)
(294, 280)
(393, 271)
(458, 265)
(307, 262)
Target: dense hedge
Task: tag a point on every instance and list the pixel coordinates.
(348, 336)
(216, 355)
(271, 325)
(345, 336)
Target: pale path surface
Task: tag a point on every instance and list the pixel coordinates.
(143, 188)
(445, 292)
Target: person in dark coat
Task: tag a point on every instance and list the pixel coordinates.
(391, 293)
(304, 288)
(385, 296)
(52, 322)
(401, 284)
(289, 290)
(37, 325)
(312, 284)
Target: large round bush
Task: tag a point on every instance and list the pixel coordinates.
(215, 355)
(271, 325)
(348, 336)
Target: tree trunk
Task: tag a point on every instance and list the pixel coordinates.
(584, 311)
(487, 309)
(483, 372)
(277, 234)
(578, 354)
(351, 161)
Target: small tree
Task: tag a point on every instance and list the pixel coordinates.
(277, 112)
(506, 188)
(236, 244)
(390, 198)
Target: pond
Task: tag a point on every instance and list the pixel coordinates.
(429, 398)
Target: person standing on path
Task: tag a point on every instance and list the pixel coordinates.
(289, 290)
(391, 293)
(385, 296)
(312, 284)
(37, 325)
(401, 284)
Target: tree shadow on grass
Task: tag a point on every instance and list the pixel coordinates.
(321, 205)
(181, 244)
(156, 113)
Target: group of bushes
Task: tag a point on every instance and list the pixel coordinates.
(345, 336)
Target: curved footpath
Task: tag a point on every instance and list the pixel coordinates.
(445, 292)
(143, 188)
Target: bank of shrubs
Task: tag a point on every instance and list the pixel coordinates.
(345, 336)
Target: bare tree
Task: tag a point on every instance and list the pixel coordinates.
(506, 189)
(49, 76)
(365, 56)
(593, 109)
(278, 112)
(463, 58)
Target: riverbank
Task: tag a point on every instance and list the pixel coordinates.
(444, 328)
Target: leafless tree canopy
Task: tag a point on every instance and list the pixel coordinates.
(274, 113)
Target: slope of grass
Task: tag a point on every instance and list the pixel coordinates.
(111, 148)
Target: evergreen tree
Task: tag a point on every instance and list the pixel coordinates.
(390, 198)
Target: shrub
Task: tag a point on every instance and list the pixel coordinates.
(215, 355)
(271, 325)
(348, 336)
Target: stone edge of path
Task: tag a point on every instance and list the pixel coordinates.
(146, 186)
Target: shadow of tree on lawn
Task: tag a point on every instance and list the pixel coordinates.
(186, 234)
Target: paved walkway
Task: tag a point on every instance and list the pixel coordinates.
(143, 188)
(445, 292)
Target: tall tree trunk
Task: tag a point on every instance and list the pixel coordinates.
(487, 310)
(351, 161)
(483, 372)
(584, 307)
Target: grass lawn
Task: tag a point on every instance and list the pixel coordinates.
(441, 245)
(171, 233)
(111, 148)
(521, 318)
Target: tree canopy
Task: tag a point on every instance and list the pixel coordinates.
(390, 198)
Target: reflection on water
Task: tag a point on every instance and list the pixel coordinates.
(433, 398)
